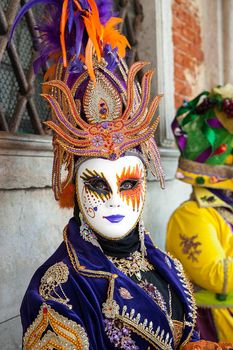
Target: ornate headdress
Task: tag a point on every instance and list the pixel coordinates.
(98, 108)
(203, 129)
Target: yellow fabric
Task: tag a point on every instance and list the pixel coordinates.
(203, 242)
(208, 181)
(207, 199)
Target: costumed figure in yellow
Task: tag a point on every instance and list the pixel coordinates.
(200, 231)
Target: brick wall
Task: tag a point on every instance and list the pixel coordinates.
(188, 54)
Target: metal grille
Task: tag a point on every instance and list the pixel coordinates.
(22, 109)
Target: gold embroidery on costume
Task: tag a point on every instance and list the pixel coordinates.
(177, 331)
(145, 329)
(154, 293)
(188, 288)
(190, 247)
(51, 284)
(65, 334)
(132, 265)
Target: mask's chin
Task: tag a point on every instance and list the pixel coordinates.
(113, 230)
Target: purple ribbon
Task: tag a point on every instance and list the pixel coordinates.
(214, 123)
(204, 155)
(180, 138)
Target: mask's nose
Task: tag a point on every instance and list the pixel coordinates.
(114, 201)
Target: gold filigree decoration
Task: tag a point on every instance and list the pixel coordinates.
(51, 284)
(177, 331)
(65, 334)
(102, 102)
(132, 265)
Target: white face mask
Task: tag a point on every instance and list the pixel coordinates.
(111, 194)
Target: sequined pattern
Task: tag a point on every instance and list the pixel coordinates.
(154, 293)
(120, 335)
(65, 334)
(132, 265)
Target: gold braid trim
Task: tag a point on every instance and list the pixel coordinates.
(223, 171)
(225, 271)
(155, 338)
(188, 288)
(65, 334)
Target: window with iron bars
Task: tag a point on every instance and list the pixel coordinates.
(22, 110)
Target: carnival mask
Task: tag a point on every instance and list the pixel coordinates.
(111, 194)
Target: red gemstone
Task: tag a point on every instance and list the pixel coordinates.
(222, 148)
(45, 310)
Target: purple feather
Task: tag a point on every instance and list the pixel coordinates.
(79, 29)
(24, 9)
(70, 15)
(84, 4)
(105, 8)
(75, 34)
(111, 57)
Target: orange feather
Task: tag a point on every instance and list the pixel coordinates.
(89, 60)
(62, 31)
(78, 5)
(113, 37)
(95, 16)
(67, 196)
(91, 30)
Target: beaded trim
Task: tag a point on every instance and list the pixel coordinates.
(132, 265)
(188, 289)
(157, 337)
(154, 293)
(120, 335)
(224, 171)
(65, 334)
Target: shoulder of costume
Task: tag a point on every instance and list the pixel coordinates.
(190, 206)
(164, 256)
(55, 263)
(46, 311)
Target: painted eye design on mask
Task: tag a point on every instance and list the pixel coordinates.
(131, 186)
(96, 184)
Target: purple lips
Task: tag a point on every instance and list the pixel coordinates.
(114, 218)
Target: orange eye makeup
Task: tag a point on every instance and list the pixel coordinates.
(130, 186)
